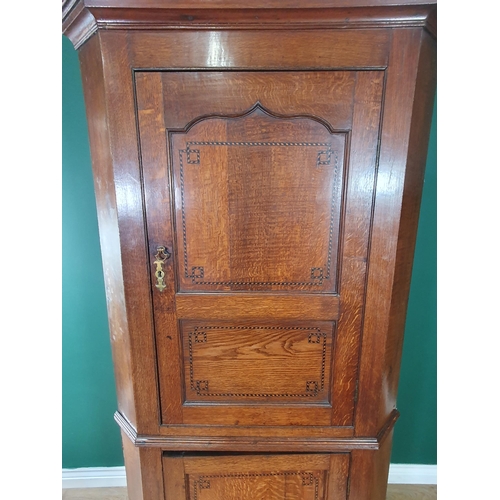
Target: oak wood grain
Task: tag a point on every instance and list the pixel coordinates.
(398, 193)
(254, 438)
(94, 87)
(155, 173)
(274, 157)
(369, 472)
(423, 102)
(223, 226)
(269, 363)
(394, 492)
(357, 222)
(256, 50)
(239, 178)
(287, 93)
(144, 471)
(82, 19)
(134, 262)
(151, 4)
(243, 476)
(254, 306)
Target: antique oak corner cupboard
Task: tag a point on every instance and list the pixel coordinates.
(258, 170)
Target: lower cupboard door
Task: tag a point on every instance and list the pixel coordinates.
(256, 477)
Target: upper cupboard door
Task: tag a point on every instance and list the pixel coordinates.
(259, 186)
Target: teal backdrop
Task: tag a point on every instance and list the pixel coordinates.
(90, 437)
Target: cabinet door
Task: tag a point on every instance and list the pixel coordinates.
(251, 477)
(259, 187)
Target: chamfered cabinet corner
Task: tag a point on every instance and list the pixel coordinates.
(258, 174)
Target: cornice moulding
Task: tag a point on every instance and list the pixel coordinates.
(83, 18)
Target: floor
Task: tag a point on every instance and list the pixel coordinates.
(394, 492)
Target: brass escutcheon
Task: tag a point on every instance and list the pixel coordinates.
(162, 254)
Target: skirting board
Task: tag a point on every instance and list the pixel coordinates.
(108, 477)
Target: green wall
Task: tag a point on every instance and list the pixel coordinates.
(90, 436)
(415, 434)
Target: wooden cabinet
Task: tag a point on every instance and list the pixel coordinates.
(258, 174)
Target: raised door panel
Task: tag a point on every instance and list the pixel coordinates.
(270, 363)
(259, 205)
(250, 477)
(261, 196)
